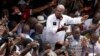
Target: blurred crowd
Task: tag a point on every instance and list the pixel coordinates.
(49, 28)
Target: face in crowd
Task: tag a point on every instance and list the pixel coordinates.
(59, 11)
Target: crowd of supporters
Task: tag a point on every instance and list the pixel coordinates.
(49, 28)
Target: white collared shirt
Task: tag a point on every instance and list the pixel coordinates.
(53, 24)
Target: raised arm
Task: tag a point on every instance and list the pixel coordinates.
(39, 9)
(28, 48)
(2, 48)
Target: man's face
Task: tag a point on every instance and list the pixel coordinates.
(76, 33)
(94, 37)
(58, 12)
(97, 16)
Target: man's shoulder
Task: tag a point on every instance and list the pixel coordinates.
(52, 16)
(66, 16)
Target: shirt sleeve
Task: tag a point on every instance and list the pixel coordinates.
(76, 20)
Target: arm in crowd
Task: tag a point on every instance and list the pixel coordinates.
(39, 9)
(25, 50)
(2, 48)
(29, 47)
(93, 28)
(78, 20)
(16, 28)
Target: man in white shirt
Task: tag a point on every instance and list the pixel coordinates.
(76, 42)
(56, 25)
(93, 23)
(94, 45)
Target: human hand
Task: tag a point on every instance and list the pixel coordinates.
(33, 44)
(62, 28)
(85, 17)
(53, 3)
(84, 42)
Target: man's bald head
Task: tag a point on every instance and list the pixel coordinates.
(39, 28)
(32, 21)
(94, 36)
(60, 6)
(59, 10)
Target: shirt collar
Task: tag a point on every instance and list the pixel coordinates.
(60, 18)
